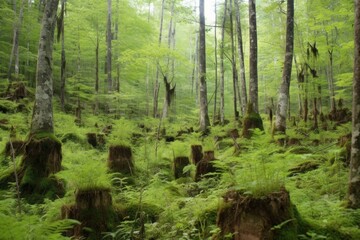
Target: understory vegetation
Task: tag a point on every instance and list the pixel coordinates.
(149, 203)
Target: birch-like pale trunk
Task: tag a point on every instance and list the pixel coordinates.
(354, 177)
(63, 57)
(42, 118)
(283, 100)
(109, 49)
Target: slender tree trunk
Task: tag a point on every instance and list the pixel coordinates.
(331, 82)
(157, 85)
(253, 84)
(42, 119)
(241, 59)
(216, 67)
(109, 49)
(284, 94)
(63, 57)
(354, 178)
(204, 117)
(97, 73)
(222, 69)
(15, 46)
(117, 79)
(233, 63)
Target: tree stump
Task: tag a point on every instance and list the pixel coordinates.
(196, 153)
(234, 133)
(252, 120)
(179, 164)
(252, 218)
(205, 165)
(120, 159)
(93, 208)
(96, 140)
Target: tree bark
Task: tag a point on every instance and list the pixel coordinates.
(157, 85)
(204, 117)
(15, 47)
(253, 83)
(354, 178)
(222, 69)
(233, 64)
(63, 57)
(284, 93)
(42, 118)
(243, 94)
(216, 66)
(109, 49)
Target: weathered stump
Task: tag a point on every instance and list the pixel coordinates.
(234, 133)
(252, 120)
(93, 208)
(179, 164)
(120, 159)
(205, 165)
(252, 218)
(196, 153)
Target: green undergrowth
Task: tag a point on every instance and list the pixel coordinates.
(151, 204)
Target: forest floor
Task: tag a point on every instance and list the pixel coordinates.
(152, 204)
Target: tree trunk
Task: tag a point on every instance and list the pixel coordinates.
(15, 47)
(354, 179)
(117, 79)
(331, 82)
(253, 84)
(216, 67)
(109, 49)
(233, 63)
(241, 59)
(284, 95)
(63, 57)
(222, 69)
(157, 85)
(204, 117)
(42, 119)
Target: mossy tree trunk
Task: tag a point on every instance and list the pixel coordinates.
(253, 83)
(354, 180)
(222, 68)
(42, 119)
(42, 155)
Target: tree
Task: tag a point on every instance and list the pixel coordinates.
(282, 106)
(42, 156)
(241, 58)
(109, 49)
(204, 117)
(61, 33)
(222, 69)
(253, 66)
(354, 179)
(15, 47)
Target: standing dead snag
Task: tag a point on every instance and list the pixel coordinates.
(120, 159)
(247, 217)
(179, 164)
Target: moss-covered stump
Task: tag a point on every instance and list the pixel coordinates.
(345, 143)
(179, 164)
(248, 218)
(205, 166)
(120, 159)
(17, 146)
(234, 133)
(42, 158)
(196, 153)
(252, 120)
(93, 208)
(16, 90)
